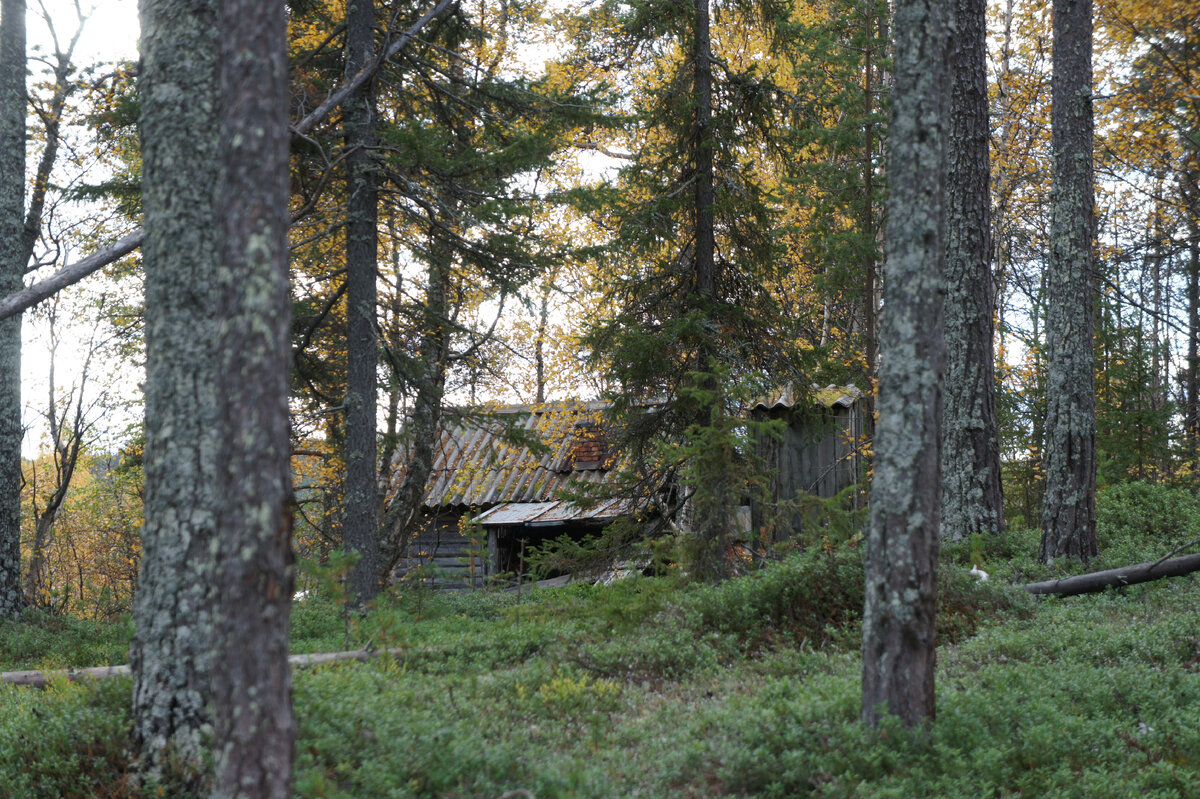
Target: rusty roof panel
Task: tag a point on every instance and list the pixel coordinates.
(483, 458)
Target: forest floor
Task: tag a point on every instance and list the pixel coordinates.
(654, 687)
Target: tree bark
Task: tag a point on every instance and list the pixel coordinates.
(171, 651)
(12, 270)
(1069, 505)
(709, 504)
(360, 525)
(902, 542)
(972, 501)
(252, 691)
(40, 678)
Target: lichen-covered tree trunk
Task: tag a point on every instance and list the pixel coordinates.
(360, 531)
(902, 541)
(972, 502)
(252, 690)
(173, 606)
(12, 270)
(1069, 506)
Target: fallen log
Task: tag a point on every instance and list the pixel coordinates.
(40, 678)
(1126, 575)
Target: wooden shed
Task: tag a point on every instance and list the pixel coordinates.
(495, 490)
(820, 453)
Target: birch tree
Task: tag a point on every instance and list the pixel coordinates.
(902, 541)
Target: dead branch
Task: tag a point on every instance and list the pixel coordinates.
(40, 679)
(69, 275)
(73, 273)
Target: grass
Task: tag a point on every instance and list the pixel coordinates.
(655, 688)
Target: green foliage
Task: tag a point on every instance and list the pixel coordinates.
(667, 687)
(44, 640)
(1136, 522)
(805, 600)
(66, 742)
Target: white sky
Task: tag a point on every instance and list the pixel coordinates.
(110, 34)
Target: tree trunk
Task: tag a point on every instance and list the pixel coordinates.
(12, 271)
(421, 432)
(902, 542)
(710, 520)
(972, 501)
(360, 527)
(1069, 506)
(252, 691)
(170, 655)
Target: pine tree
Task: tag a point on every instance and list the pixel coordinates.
(253, 725)
(972, 502)
(902, 540)
(13, 258)
(1069, 507)
(360, 524)
(171, 655)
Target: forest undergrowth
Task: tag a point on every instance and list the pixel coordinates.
(657, 687)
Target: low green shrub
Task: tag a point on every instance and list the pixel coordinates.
(1136, 522)
(69, 741)
(808, 596)
(44, 640)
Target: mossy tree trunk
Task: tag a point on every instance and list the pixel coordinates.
(173, 613)
(902, 541)
(13, 258)
(360, 531)
(251, 690)
(1069, 506)
(972, 502)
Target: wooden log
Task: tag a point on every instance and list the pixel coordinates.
(38, 678)
(1126, 575)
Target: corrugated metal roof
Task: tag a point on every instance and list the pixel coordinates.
(830, 396)
(481, 458)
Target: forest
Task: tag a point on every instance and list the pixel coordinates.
(504, 398)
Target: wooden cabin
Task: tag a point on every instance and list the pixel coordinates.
(495, 491)
(496, 487)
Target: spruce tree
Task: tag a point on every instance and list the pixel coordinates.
(693, 327)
